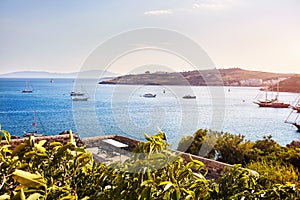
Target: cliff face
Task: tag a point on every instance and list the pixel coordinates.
(233, 76)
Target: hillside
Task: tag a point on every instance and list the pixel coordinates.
(291, 84)
(233, 76)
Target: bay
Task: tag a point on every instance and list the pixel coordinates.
(121, 109)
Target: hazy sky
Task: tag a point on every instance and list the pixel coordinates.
(58, 35)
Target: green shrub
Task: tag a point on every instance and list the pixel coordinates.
(29, 171)
(275, 172)
(200, 144)
(292, 156)
(240, 183)
(69, 172)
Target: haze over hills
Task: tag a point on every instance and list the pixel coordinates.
(227, 77)
(42, 74)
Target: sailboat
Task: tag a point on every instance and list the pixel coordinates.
(79, 95)
(297, 106)
(34, 124)
(293, 118)
(28, 88)
(272, 103)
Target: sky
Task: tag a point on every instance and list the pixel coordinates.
(59, 35)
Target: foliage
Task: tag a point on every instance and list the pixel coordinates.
(200, 144)
(224, 147)
(275, 172)
(291, 155)
(234, 149)
(68, 172)
(240, 183)
(276, 164)
(31, 172)
(154, 173)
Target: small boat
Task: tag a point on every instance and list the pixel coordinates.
(51, 81)
(189, 97)
(149, 95)
(35, 132)
(75, 93)
(79, 95)
(28, 89)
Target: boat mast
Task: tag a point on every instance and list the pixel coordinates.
(34, 121)
(277, 95)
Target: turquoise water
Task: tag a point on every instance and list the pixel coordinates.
(120, 109)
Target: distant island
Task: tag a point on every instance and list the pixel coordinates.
(42, 74)
(214, 77)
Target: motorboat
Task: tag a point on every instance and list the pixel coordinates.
(189, 97)
(149, 95)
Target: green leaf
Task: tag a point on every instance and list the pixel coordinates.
(147, 137)
(18, 149)
(168, 186)
(72, 141)
(6, 135)
(167, 183)
(34, 196)
(69, 197)
(4, 197)
(40, 145)
(199, 175)
(22, 195)
(28, 179)
(146, 194)
(55, 144)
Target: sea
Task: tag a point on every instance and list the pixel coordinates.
(122, 110)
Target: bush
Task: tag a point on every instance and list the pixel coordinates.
(275, 172)
(233, 149)
(200, 144)
(68, 172)
(239, 183)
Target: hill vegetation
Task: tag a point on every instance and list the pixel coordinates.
(291, 84)
(196, 78)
